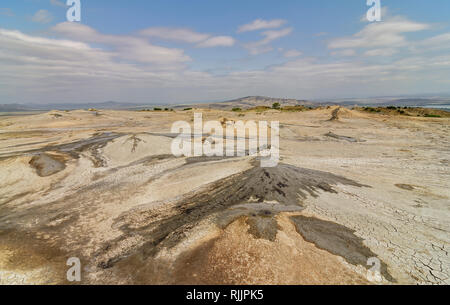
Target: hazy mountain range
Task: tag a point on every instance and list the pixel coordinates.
(66, 106)
(244, 103)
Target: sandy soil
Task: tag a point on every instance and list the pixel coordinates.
(103, 186)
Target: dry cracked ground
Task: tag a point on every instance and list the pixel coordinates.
(104, 187)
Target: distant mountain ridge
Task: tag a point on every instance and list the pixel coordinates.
(68, 106)
(243, 103)
(253, 101)
(390, 101)
(13, 108)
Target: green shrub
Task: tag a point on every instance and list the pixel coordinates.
(236, 109)
(276, 106)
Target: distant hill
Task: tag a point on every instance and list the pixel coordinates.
(254, 101)
(250, 102)
(244, 103)
(69, 106)
(390, 101)
(13, 108)
(419, 102)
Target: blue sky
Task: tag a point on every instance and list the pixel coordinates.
(198, 50)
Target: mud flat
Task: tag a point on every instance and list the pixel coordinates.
(106, 188)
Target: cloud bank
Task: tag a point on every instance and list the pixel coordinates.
(76, 63)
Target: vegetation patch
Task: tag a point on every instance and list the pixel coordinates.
(276, 106)
(406, 111)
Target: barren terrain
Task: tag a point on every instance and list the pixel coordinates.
(104, 186)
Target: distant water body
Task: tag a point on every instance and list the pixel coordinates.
(18, 113)
(443, 107)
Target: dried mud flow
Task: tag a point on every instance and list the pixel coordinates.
(335, 114)
(107, 189)
(284, 185)
(338, 240)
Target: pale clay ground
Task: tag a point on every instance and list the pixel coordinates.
(100, 202)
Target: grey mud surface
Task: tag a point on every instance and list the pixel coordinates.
(244, 194)
(337, 239)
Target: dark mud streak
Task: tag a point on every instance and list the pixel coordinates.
(406, 187)
(285, 184)
(344, 138)
(26, 144)
(75, 148)
(5, 200)
(136, 142)
(147, 161)
(93, 144)
(338, 240)
(193, 160)
(335, 114)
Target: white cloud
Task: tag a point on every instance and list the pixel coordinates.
(272, 35)
(175, 34)
(344, 53)
(218, 41)
(292, 53)
(262, 46)
(260, 24)
(380, 34)
(86, 65)
(439, 42)
(381, 52)
(126, 47)
(57, 3)
(18, 38)
(42, 16)
(188, 36)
